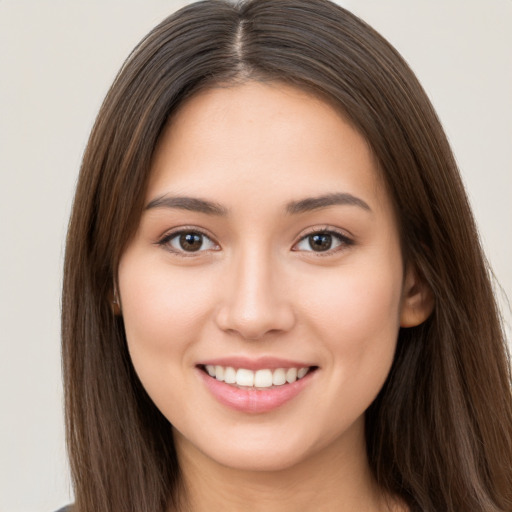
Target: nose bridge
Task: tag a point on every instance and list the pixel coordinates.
(254, 301)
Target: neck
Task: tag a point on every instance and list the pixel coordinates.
(337, 478)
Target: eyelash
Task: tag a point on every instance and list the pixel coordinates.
(165, 241)
(343, 240)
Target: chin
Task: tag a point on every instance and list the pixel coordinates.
(275, 448)
(262, 460)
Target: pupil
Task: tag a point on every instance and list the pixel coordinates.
(320, 242)
(191, 241)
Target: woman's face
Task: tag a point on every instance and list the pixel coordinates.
(268, 249)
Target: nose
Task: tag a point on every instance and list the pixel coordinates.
(254, 300)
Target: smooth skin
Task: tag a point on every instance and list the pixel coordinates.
(244, 276)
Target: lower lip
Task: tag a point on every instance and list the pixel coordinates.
(254, 400)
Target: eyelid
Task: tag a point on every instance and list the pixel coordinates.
(345, 239)
(164, 240)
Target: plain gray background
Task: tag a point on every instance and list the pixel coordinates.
(57, 60)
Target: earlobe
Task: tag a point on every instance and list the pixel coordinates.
(417, 299)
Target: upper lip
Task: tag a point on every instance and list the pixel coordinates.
(259, 363)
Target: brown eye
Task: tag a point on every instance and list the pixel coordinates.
(191, 242)
(320, 242)
(188, 242)
(323, 241)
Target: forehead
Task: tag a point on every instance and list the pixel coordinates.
(269, 139)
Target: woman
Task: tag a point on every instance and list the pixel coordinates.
(274, 293)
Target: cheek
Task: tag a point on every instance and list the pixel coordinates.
(357, 322)
(356, 314)
(356, 300)
(157, 302)
(163, 313)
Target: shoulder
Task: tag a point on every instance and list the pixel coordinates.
(65, 509)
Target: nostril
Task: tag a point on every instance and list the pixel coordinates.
(252, 304)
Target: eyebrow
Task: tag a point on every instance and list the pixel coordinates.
(294, 207)
(316, 203)
(193, 204)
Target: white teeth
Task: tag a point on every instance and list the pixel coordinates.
(264, 378)
(279, 377)
(291, 375)
(229, 375)
(219, 372)
(244, 377)
(302, 372)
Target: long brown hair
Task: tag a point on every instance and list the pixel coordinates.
(439, 435)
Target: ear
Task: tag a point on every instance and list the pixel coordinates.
(115, 303)
(417, 299)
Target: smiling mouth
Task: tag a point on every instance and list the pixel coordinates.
(263, 379)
